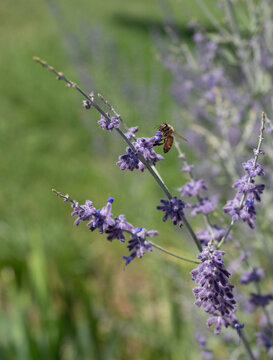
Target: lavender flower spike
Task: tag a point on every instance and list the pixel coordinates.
(214, 292)
(243, 205)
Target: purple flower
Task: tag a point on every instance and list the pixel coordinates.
(109, 124)
(201, 340)
(254, 275)
(139, 245)
(187, 168)
(173, 209)
(253, 170)
(102, 219)
(130, 161)
(214, 292)
(247, 191)
(260, 300)
(192, 188)
(84, 212)
(205, 236)
(131, 132)
(206, 354)
(205, 206)
(116, 231)
(158, 137)
(265, 337)
(143, 146)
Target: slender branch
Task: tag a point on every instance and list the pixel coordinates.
(173, 254)
(61, 76)
(246, 344)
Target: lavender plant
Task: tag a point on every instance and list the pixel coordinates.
(214, 292)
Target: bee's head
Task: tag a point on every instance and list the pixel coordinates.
(163, 126)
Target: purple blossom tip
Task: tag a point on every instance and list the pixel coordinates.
(127, 259)
(173, 209)
(110, 200)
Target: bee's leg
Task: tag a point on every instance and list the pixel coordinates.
(159, 143)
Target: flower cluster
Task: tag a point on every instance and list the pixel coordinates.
(143, 146)
(115, 227)
(109, 123)
(173, 209)
(193, 188)
(205, 236)
(214, 292)
(138, 244)
(131, 132)
(243, 205)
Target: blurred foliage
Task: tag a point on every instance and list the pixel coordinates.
(64, 294)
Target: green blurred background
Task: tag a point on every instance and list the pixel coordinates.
(63, 291)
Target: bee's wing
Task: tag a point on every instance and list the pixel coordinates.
(179, 136)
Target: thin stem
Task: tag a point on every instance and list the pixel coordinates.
(173, 254)
(246, 344)
(61, 76)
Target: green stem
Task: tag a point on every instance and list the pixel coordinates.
(173, 254)
(246, 345)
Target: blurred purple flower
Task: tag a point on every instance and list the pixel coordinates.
(254, 275)
(187, 168)
(192, 188)
(206, 354)
(204, 206)
(260, 300)
(205, 236)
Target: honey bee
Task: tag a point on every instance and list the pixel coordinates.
(167, 139)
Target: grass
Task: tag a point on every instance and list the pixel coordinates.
(64, 294)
